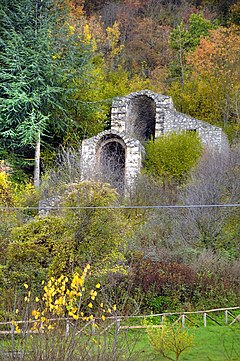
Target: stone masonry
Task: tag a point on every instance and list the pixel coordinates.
(116, 155)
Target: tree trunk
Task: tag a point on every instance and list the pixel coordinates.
(182, 68)
(36, 179)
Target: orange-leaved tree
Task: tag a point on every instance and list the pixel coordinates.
(211, 89)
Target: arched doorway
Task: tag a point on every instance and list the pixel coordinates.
(111, 162)
(141, 118)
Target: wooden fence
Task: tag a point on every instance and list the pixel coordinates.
(134, 322)
(229, 317)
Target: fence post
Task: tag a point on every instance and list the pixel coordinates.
(93, 326)
(183, 320)
(226, 316)
(67, 327)
(117, 328)
(13, 333)
(205, 319)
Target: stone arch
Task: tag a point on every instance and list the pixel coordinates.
(141, 117)
(111, 160)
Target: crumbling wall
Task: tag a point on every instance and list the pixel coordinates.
(112, 157)
(210, 135)
(122, 112)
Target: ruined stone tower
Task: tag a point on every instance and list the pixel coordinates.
(116, 155)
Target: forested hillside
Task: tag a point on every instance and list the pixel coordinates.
(62, 63)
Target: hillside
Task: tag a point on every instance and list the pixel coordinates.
(173, 242)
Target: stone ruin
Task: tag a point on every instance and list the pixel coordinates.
(115, 156)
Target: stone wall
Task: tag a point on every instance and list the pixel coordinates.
(91, 157)
(120, 110)
(210, 135)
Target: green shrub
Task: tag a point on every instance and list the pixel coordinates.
(172, 156)
(169, 341)
(62, 243)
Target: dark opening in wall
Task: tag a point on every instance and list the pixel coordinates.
(112, 164)
(141, 118)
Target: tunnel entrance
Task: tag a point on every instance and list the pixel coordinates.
(112, 163)
(141, 118)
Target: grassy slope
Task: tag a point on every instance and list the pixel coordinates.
(213, 343)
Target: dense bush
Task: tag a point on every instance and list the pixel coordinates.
(70, 238)
(6, 191)
(172, 155)
(173, 285)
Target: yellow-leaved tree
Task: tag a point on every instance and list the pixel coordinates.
(169, 340)
(63, 321)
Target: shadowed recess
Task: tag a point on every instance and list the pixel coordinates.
(112, 163)
(141, 118)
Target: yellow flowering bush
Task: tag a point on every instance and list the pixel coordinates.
(67, 298)
(6, 193)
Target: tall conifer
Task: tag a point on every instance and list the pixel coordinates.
(38, 58)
